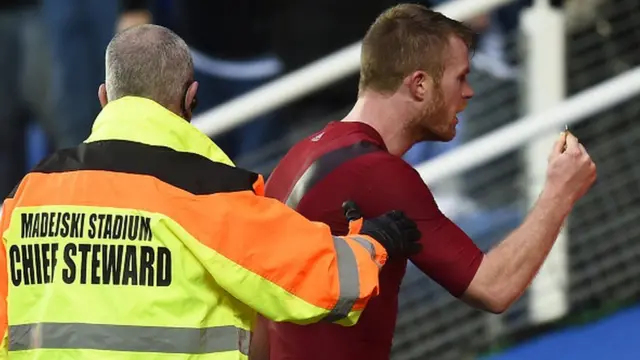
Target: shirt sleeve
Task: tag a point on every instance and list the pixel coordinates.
(449, 256)
(286, 267)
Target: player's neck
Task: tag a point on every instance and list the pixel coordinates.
(387, 116)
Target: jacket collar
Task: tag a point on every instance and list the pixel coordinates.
(144, 121)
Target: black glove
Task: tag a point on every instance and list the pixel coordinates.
(394, 231)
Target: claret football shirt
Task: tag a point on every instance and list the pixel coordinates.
(349, 161)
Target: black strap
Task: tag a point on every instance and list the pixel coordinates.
(191, 172)
(325, 164)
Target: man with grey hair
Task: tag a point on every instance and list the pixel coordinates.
(152, 62)
(148, 241)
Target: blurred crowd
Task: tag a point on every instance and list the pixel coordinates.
(53, 62)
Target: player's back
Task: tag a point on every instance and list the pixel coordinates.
(315, 177)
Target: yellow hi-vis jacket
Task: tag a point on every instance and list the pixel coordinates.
(145, 242)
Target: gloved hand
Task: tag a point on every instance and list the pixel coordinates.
(398, 234)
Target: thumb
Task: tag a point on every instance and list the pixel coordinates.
(559, 146)
(572, 141)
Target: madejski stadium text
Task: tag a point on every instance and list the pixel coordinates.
(124, 262)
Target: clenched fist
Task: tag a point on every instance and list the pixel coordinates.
(570, 172)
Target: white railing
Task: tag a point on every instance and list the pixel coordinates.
(312, 77)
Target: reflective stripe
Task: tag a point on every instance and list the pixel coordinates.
(348, 278)
(369, 247)
(365, 244)
(128, 338)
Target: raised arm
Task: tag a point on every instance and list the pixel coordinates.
(508, 269)
(494, 281)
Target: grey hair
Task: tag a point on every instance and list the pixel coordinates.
(148, 61)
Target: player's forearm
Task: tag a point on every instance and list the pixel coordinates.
(508, 269)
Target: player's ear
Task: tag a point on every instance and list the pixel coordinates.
(102, 95)
(420, 85)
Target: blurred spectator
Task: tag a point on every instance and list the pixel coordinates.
(232, 52)
(24, 90)
(79, 31)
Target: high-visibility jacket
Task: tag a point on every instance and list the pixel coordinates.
(146, 242)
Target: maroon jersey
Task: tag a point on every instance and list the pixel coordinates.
(349, 161)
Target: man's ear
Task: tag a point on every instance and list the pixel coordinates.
(190, 99)
(420, 85)
(102, 95)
